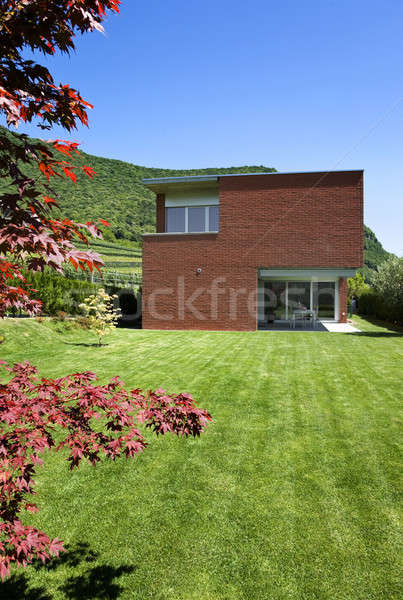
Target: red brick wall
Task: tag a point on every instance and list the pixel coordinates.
(295, 221)
(160, 213)
(342, 300)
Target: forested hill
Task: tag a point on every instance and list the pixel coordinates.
(117, 195)
(374, 253)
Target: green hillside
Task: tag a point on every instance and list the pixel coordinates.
(374, 253)
(117, 195)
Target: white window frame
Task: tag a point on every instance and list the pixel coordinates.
(206, 218)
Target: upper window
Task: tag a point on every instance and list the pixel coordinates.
(191, 219)
(197, 218)
(175, 219)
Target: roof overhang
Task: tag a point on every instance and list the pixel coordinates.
(165, 184)
(170, 184)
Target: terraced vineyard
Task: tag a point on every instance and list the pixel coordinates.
(122, 264)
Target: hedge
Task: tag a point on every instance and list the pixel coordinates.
(58, 293)
(372, 304)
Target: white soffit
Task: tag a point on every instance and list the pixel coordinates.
(195, 197)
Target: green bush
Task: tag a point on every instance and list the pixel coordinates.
(373, 304)
(356, 286)
(59, 294)
(388, 281)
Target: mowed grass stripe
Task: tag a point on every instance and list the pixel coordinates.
(293, 492)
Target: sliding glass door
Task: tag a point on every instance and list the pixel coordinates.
(323, 299)
(282, 297)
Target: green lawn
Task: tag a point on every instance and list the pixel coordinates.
(293, 492)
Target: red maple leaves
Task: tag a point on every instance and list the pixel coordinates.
(34, 410)
(34, 240)
(51, 167)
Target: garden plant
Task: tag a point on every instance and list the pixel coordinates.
(101, 316)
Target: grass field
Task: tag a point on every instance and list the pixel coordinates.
(292, 494)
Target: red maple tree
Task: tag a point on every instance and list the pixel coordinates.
(34, 409)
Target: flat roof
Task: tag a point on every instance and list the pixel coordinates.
(190, 178)
(157, 181)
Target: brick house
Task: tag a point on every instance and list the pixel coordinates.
(232, 252)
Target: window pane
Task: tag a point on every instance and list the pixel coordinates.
(175, 220)
(213, 218)
(323, 299)
(274, 300)
(196, 218)
(299, 296)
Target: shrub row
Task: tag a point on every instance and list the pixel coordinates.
(58, 293)
(372, 304)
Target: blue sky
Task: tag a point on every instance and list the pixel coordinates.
(313, 85)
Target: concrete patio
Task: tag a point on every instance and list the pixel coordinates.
(323, 326)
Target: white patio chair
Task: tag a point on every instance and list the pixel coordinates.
(312, 317)
(297, 316)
